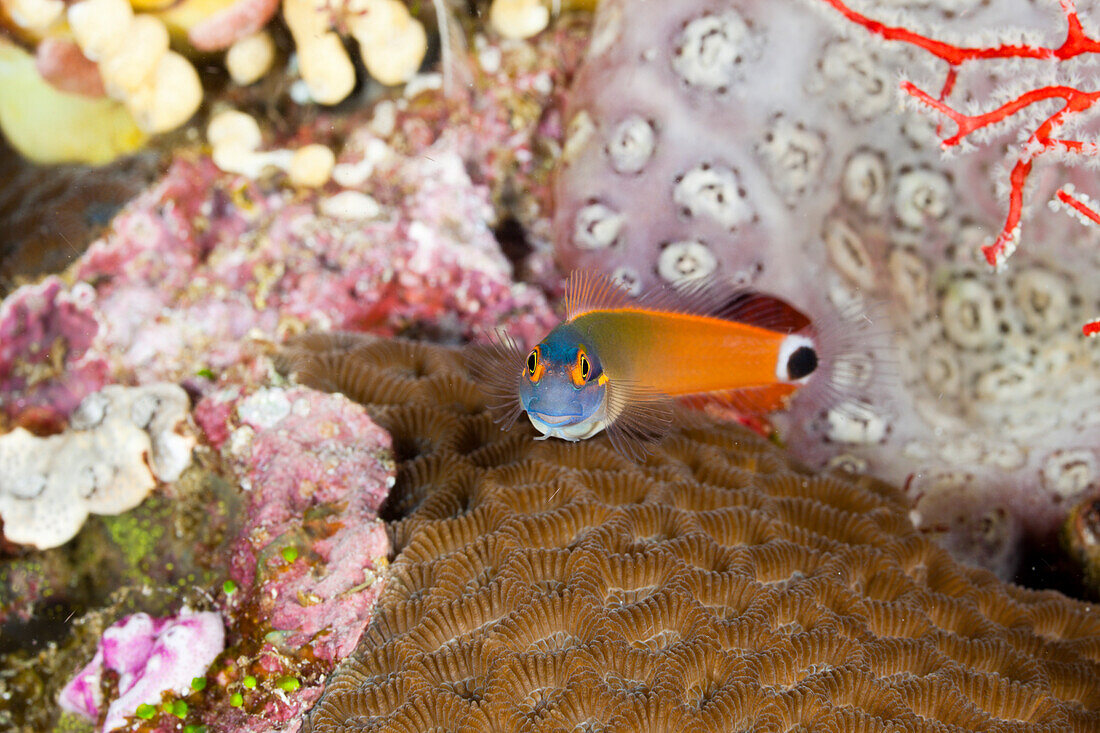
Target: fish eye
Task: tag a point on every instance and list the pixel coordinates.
(581, 370)
(534, 365)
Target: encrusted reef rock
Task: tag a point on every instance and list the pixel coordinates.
(717, 586)
(765, 141)
(47, 362)
(315, 470)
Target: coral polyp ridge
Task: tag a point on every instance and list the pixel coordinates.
(718, 585)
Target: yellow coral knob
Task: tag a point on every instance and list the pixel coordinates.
(326, 68)
(130, 66)
(100, 26)
(35, 15)
(250, 58)
(50, 126)
(519, 18)
(311, 166)
(171, 97)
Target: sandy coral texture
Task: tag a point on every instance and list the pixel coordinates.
(718, 586)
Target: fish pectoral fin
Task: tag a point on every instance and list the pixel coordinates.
(638, 417)
(497, 367)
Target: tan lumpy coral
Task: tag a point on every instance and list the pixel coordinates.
(541, 585)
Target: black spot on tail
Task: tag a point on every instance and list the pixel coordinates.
(801, 363)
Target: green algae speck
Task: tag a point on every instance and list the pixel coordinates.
(194, 729)
(145, 711)
(288, 684)
(198, 684)
(136, 538)
(236, 699)
(290, 554)
(249, 682)
(179, 709)
(229, 587)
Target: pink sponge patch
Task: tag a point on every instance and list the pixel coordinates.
(151, 656)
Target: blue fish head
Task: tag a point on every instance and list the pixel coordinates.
(563, 383)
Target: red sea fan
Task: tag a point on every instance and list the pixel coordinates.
(1043, 139)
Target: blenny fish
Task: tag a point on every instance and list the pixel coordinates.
(618, 363)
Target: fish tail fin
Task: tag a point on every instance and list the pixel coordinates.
(842, 400)
(638, 418)
(497, 366)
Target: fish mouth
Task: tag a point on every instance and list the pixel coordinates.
(554, 420)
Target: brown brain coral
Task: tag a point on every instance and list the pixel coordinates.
(718, 586)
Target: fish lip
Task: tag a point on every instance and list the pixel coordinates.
(554, 420)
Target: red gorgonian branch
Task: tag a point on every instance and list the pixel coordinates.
(1041, 140)
(1085, 211)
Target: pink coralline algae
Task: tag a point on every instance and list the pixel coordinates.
(301, 453)
(205, 260)
(46, 358)
(767, 144)
(150, 656)
(307, 561)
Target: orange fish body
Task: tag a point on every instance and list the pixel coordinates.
(682, 354)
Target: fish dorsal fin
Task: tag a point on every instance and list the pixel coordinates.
(715, 297)
(588, 291)
(765, 311)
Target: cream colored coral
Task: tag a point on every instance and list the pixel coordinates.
(160, 88)
(235, 138)
(233, 128)
(171, 97)
(519, 18)
(326, 68)
(121, 440)
(131, 66)
(311, 166)
(35, 15)
(391, 41)
(324, 64)
(100, 26)
(250, 58)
